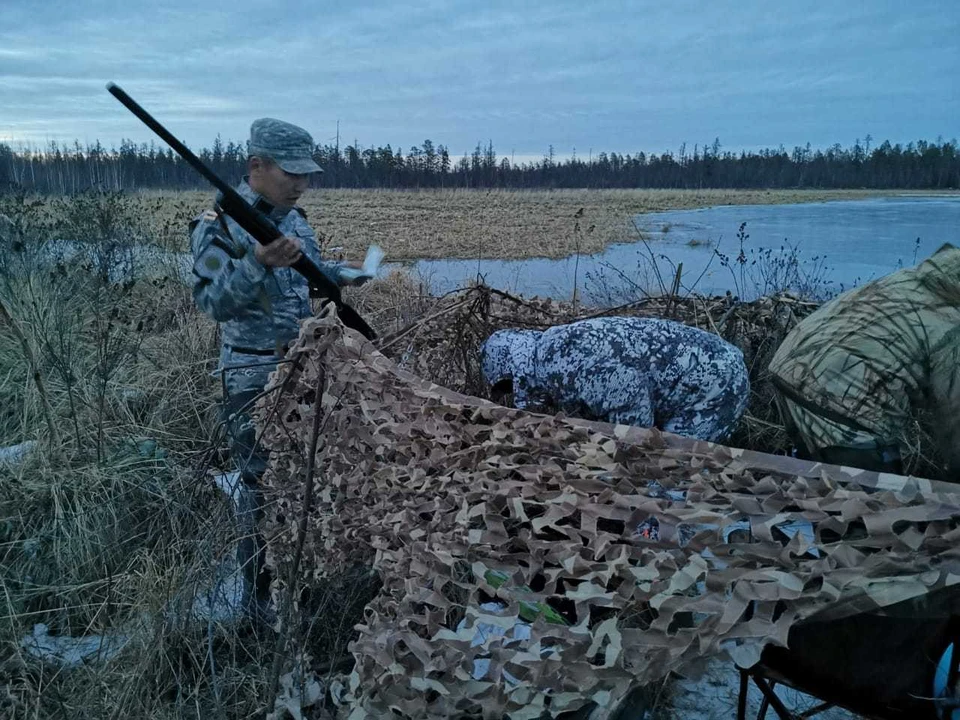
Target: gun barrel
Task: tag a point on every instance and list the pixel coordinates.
(178, 147)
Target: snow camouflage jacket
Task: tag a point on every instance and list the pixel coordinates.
(633, 371)
(873, 354)
(260, 307)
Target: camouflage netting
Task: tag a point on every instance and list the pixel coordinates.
(536, 564)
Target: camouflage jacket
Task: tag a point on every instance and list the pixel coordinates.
(634, 371)
(872, 355)
(259, 307)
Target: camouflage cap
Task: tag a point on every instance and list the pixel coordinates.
(289, 145)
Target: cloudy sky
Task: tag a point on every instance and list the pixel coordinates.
(586, 74)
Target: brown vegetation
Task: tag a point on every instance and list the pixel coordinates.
(114, 525)
(413, 224)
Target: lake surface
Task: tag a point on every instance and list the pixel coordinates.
(831, 246)
(822, 248)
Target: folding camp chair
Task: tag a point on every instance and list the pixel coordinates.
(879, 665)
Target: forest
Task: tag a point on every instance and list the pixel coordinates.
(922, 165)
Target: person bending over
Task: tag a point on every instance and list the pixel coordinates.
(632, 371)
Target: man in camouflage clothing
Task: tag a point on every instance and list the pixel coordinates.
(851, 374)
(632, 371)
(257, 296)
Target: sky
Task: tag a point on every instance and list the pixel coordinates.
(584, 76)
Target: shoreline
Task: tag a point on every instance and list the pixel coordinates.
(514, 224)
(498, 224)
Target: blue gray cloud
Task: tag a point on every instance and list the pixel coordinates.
(604, 75)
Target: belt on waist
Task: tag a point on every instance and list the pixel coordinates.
(256, 351)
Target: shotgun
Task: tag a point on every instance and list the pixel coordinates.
(249, 218)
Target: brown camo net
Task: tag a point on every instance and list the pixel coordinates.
(617, 555)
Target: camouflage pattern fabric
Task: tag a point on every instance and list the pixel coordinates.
(631, 371)
(836, 443)
(259, 307)
(290, 146)
(244, 377)
(863, 361)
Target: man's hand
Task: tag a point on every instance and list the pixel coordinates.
(282, 252)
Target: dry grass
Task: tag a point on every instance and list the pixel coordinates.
(464, 223)
(507, 224)
(109, 523)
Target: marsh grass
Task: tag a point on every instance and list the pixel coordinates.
(108, 523)
(507, 224)
(417, 224)
(111, 525)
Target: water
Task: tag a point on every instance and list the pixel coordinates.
(119, 261)
(838, 245)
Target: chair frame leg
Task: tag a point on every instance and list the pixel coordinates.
(742, 697)
(771, 698)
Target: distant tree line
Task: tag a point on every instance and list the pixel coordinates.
(920, 165)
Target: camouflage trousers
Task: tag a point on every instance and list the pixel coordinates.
(244, 377)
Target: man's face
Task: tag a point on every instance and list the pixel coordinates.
(275, 184)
